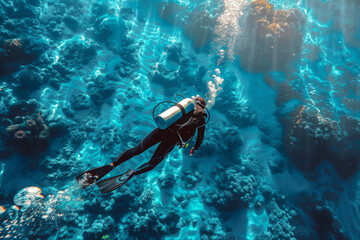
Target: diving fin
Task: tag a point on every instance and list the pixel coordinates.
(90, 177)
(113, 183)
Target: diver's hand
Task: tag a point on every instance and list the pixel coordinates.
(192, 151)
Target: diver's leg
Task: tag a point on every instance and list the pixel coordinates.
(150, 140)
(91, 176)
(160, 153)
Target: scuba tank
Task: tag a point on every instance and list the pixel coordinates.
(174, 113)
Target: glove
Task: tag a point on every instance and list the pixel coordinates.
(192, 151)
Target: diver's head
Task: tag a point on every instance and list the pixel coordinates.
(201, 101)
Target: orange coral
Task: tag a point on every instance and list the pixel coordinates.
(13, 128)
(16, 42)
(262, 2)
(13, 44)
(321, 118)
(299, 116)
(20, 134)
(275, 28)
(30, 123)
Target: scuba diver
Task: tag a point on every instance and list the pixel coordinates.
(176, 126)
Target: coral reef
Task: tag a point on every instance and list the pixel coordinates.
(100, 228)
(212, 229)
(199, 27)
(79, 101)
(325, 222)
(271, 38)
(99, 89)
(238, 114)
(167, 181)
(234, 190)
(15, 52)
(155, 222)
(177, 71)
(96, 70)
(309, 138)
(231, 140)
(76, 53)
(280, 226)
(27, 80)
(198, 24)
(29, 134)
(191, 177)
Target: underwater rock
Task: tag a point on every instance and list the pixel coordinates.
(277, 165)
(107, 137)
(109, 28)
(27, 80)
(20, 51)
(80, 101)
(231, 138)
(66, 233)
(191, 178)
(177, 71)
(63, 165)
(100, 89)
(106, 26)
(61, 71)
(68, 112)
(307, 135)
(286, 92)
(327, 225)
(23, 10)
(309, 138)
(78, 137)
(280, 226)
(325, 222)
(198, 24)
(270, 38)
(77, 52)
(351, 127)
(100, 228)
(156, 222)
(31, 134)
(174, 52)
(71, 22)
(238, 114)
(164, 77)
(212, 229)
(167, 181)
(234, 190)
(18, 109)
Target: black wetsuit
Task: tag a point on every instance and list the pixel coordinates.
(168, 138)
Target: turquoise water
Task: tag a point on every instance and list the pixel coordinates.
(78, 84)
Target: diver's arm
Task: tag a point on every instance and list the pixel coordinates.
(200, 137)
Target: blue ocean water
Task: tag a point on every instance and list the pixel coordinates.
(280, 159)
